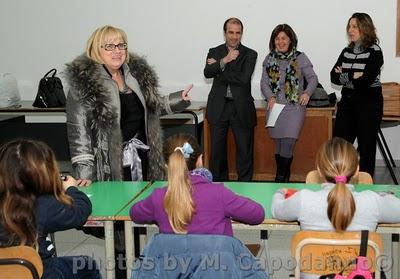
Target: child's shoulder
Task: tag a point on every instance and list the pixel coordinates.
(159, 192)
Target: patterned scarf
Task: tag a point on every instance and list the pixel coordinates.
(203, 172)
(291, 78)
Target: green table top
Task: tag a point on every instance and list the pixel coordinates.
(109, 197)
(113, 200)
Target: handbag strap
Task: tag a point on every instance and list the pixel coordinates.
(49, 72)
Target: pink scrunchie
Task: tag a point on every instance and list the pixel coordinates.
(341, 179)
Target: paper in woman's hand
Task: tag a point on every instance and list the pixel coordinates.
(274, 114)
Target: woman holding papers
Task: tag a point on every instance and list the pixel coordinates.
(287, 82)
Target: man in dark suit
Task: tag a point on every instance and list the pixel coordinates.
(230, 103)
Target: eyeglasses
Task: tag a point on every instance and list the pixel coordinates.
(110, 47)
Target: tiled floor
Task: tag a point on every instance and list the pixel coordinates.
(73, 242)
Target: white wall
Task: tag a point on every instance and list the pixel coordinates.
(175, 36)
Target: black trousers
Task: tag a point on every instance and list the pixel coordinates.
(356, 118)
(244, 140)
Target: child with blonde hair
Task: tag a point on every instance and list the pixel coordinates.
(336, 207)
(191, 203)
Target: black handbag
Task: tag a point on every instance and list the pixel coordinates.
(319, 98)
(50, 92)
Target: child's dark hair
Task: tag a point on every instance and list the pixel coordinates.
(28, 169)
(178, 202)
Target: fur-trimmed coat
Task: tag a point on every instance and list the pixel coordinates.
(93, 117)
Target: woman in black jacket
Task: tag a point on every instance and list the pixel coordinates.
(34, 202)
(358, 70)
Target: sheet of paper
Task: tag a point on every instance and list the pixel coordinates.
(273, 115)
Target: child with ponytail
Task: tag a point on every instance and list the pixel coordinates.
(191, 203)
(336, 207)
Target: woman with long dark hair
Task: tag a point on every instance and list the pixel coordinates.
(357, 70)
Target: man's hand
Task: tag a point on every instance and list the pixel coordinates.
(211, 61)
(232, 55)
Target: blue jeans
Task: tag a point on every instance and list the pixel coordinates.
(171, 256)
(74, 267)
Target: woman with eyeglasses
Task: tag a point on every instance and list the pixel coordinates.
(113, 100)
(113, 108)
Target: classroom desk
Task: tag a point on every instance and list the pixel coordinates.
(112, 201)
(107, 199)
(317, 122)
(31, 122)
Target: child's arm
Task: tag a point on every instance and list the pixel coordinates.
(388, 208)
(242, 209)
(142, 212)
(54, 215)
(286, 209)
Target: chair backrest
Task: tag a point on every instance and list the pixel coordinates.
(330, 252)
(21, 262)
(362, 178)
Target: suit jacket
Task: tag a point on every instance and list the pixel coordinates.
(237, 74)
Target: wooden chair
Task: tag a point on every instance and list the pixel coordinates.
(330, 252)
(20, 262)
(361, 178)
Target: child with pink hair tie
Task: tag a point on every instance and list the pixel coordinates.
(336, 207)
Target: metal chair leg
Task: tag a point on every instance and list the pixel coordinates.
(380, 134)
(387, 162)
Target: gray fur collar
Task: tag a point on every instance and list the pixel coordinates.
(83, 70)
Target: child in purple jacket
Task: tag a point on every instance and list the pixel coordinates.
(191, 203)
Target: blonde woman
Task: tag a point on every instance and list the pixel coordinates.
(191, 203)
(113, 108)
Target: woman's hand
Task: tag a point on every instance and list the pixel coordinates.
(185, 93)
(304, 98)
(338, 70)
(83, 182)
(68, 182)
(357, 75)
(271, 103)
